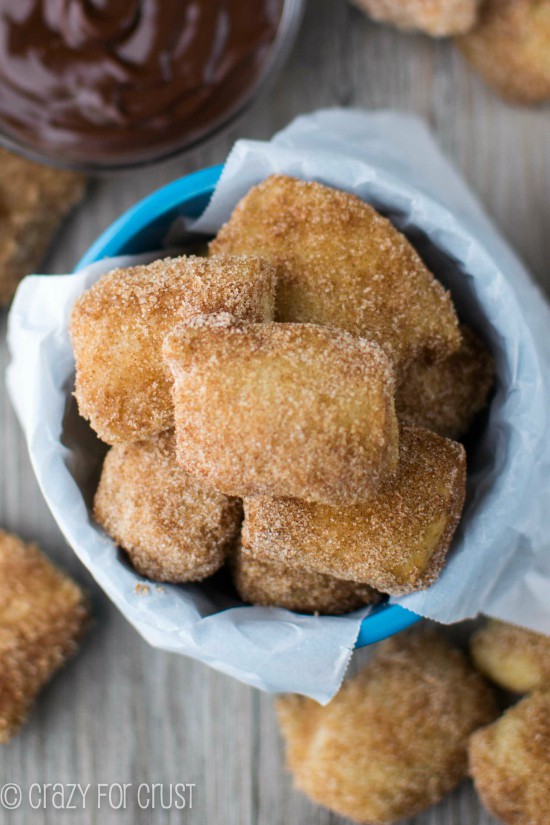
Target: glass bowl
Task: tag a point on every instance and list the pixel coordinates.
(291, 16)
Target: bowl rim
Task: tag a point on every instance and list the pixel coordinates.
(292, 13)
(385, 619)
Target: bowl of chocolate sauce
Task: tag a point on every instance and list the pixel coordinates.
(102, 85)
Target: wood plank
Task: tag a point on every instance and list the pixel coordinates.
(123, 712)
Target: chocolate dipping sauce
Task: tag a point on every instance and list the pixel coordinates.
(113, 81)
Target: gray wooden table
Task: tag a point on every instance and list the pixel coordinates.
(123, 712)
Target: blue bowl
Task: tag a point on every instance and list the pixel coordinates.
(143, 229)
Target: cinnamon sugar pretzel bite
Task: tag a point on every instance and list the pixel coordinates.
(341, 264)
(396, 542)
(119, 324)
(282, 409)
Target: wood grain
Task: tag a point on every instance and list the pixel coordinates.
(123, 712)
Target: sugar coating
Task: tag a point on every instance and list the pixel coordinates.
(438, 18)
(42, 615)
(394, 739)
(118, 326)
(396, 542)
(173, 528)
(282, 409)
(34, 199)
(514, 658)
(510, 763)
(295, 588)
(341, 264)
(446, 397)
(510, 48)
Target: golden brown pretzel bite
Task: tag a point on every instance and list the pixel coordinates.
(118, 326)
(438, 18)
(284, 409)
(394, 739)
(295, 588)
(514, 658)
(42, 616)
(445, 397)
(396, 542)
(341, 264)
(510, 48)
(510, 763)
(34, 200)
(173, 528)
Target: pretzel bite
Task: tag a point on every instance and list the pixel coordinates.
(438, 18)
(118, 326)
(446, 397)
(42, 616)
(510, 763)
(34, 200)
(341, 264)
(512, 657)
(394, 739)
(173, 528)
(510, 48)
(282, 409)
(295, 588)
(396, 542)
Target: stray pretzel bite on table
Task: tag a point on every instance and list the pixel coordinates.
(34, 199)
(396, 542)
(510, 763)
(119, 324)
(282, 409)
(438, 18)
(445, 397)
(512, 657)
(510, 48)
(173, 528)
(394, 739)
(341, 264)
(295, 588)
(42, 616)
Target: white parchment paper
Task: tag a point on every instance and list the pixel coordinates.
(500, 560)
